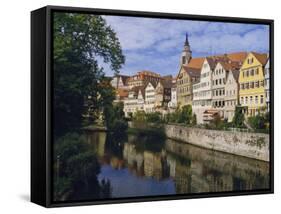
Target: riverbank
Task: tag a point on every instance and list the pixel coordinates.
(251, 145)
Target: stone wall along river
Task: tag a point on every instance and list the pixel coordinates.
(252, 145)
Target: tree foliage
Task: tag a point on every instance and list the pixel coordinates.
(259, 122)
(81, 43)
(75, 169)
(114, 118)
(239, 118)
(182, 115)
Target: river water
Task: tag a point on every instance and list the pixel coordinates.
(150, 166)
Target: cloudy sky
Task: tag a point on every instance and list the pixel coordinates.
(156, 44)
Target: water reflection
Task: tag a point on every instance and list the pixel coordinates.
(145, 166)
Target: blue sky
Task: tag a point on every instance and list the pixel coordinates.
(156, 44)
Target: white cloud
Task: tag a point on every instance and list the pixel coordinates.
(156, 44)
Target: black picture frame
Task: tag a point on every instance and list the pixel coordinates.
(41, 103)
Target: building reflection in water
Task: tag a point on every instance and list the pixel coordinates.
(187, 168)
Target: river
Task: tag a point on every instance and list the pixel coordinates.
(149, 166)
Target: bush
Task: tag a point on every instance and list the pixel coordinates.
(258, 122)
(182, 115)
(154, 117)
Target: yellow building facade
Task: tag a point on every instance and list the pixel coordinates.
(185, 79)
(251, 83)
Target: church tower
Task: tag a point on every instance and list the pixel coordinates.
(186, 53)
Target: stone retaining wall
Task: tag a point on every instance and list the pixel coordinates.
(252, 145)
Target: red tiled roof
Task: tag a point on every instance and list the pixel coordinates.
(196, 62)
(121, 92)
(192, 72)
(237, 57)
(261, 57)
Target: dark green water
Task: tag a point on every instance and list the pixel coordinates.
(148, 166)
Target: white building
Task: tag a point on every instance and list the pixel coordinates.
(172, 105)
(218, 86)
(120, 81)
(267, 84)
(135, 101)
(202, 91)
(150, 97)
(231, 99)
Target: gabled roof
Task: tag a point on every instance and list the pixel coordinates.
(192, 72)
(168, 77)
(153, 83)
(236, 74)
(124, 79)
(196, 62)
(136, 90)
(229, 65)
(262, 58)
(211, 61)
(166, 83)
(237, 57)
(122, 93)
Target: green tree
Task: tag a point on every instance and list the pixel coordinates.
(76, 169)
(153, 117)
(194, 120)
(185, 114)
(239, 118)
(139, 116)
(81, 43)
(115, 118)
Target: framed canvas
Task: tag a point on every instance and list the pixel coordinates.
(133, 106)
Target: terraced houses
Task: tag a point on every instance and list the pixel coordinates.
(213, 85)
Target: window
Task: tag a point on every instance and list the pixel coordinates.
(242, 100)
(252, 72)
(220, 81)
(246, 100)
(257, 84)
(247, 85)
(256, 99)
(261, 99)
(262, 83)
(252, 84)
(257, 71)
(247, 73)
(183, 60)
(251, 99)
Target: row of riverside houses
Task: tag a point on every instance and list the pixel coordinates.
(146, 91)
(213, 85)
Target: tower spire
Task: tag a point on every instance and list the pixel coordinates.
(186, 40)
(186, 53)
